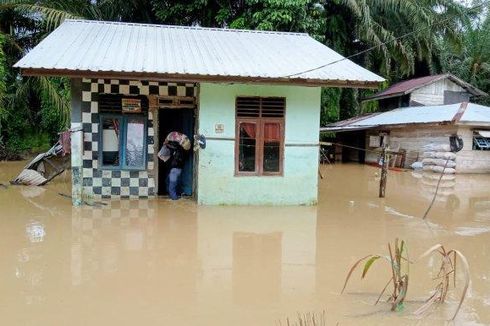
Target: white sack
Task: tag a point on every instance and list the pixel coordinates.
(439, 162)
(429, 154)
(438, 147)
(417, 165)
(446, 155)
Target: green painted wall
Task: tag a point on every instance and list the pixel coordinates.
(217, 184)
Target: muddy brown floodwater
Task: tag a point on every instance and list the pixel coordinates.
(156, 262)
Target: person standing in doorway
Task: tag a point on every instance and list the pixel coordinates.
(176, 165)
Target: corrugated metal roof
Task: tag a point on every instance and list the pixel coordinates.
(461, 113)
(82, 47)
(408, 86)
(476, 113)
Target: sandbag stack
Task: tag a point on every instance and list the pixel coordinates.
(438, 156)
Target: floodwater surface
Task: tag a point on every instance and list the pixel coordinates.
(158, 262)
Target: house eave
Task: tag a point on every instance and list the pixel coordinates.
(198, 78)
(475, 92)
(390, 126)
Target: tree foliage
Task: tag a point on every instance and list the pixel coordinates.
(397, 39)
(471, 62)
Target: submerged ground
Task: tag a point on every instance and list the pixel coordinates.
(158, 262)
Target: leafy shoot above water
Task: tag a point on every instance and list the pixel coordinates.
(398, 263)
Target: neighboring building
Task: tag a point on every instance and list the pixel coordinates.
(410, 129)
(254, 95)
(429, 90)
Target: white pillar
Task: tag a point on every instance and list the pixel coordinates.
(76, 143)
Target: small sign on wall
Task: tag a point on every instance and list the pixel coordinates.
(374, 141)
(131, 105)
(219, 128)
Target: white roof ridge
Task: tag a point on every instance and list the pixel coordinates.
(216, 29)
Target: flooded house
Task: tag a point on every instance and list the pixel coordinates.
(251, 98)
(424, 91)
(412, 131)
(415, 115)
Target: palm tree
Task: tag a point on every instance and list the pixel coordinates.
(402, 32)
(470, 62)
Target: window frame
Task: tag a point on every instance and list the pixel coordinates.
(123, 123)
(475, 146)
(259, 148)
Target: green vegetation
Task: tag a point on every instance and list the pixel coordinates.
(440, 36)
(399, 263)
(399, 266)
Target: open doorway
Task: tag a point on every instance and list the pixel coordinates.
(180, 120)
(354, 139)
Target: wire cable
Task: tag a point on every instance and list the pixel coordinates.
(381, 44)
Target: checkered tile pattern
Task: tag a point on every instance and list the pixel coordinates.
(132, 220)
(100, 183)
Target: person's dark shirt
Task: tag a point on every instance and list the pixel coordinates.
(178, 156)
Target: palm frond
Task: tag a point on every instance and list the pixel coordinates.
(54, 97)
(53, 14)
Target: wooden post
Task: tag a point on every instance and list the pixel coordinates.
(384, 172)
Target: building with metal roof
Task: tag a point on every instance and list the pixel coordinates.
(409, 86)
(249, 101)
(461, 114)
(428, 90)
(412, 129)
(80, 48)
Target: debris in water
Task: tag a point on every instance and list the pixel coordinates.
(447, 269)
(46, 166)
(35, 231)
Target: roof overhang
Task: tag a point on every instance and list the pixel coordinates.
(345, 129)
(197, 78)
(470, 88)
(474, 124)
(385, 126)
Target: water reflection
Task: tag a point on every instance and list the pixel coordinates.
(265, 253)
(174, 263)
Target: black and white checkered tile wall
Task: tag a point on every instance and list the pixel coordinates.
(100, 183)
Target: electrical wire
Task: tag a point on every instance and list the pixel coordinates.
(379, 45)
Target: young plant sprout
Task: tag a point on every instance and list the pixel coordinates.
(399, 264)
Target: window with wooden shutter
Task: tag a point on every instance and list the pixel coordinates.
(259, 146)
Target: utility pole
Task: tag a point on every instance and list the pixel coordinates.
(384, 171)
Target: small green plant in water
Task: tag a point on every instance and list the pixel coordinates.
(399, 264)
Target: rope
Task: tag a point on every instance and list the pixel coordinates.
(437, 189)
(358, 148)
